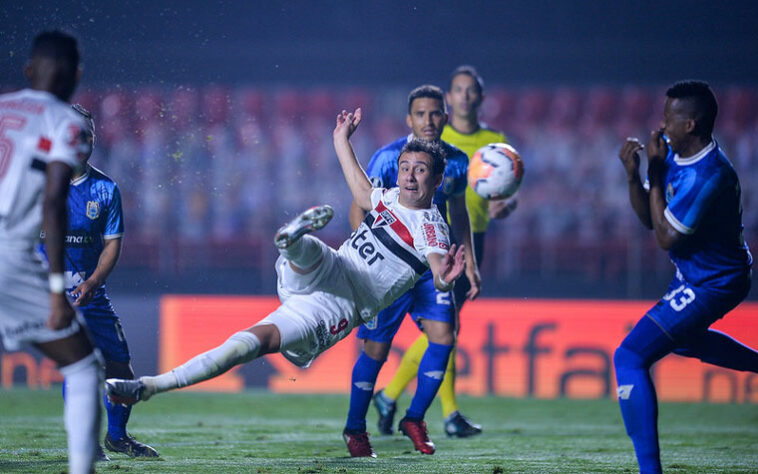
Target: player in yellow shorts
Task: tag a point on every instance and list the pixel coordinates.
(464, 130)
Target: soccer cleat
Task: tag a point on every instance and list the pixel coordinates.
(358, 444)
(386, 409)
(125, 392)
(416, 431)
(100, 455)
(458, 425)
(130, 446)
(312, 219)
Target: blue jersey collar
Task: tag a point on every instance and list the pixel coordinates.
(697, 156)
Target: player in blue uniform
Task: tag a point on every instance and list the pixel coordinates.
(692, 202)
(432, 310)
(93, 245)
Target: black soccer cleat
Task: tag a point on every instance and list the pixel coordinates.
(386, 409)
(311, 219)
(130, 446)
(458, 425)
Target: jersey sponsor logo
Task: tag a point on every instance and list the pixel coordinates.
(44, 144)
(624, 391)
(430, 233)
(93, 210)
(79, 238)
(367, 250)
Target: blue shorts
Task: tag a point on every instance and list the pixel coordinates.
(423, 301)
(686, 309)
(105, 330)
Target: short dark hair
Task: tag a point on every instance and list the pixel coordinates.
(87, 117)
(56, 45)
(431, 148)
(469, 71)
(429, 91)
(700, 97)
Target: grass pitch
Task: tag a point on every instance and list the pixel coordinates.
(263, 432)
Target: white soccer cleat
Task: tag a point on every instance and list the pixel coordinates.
(125, 392)
(312, 219)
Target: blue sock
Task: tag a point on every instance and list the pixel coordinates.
(637, 400)
(362, 383)
(118, 416)
(717, 348)
(431, 370)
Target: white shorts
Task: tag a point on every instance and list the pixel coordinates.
(317, 311)
(25, 300)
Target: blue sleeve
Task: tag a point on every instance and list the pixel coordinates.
(458, 172)
(114, 224)
(692, 197)
(382, 169)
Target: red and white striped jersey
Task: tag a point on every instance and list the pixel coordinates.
(36, 128)
(388, 253)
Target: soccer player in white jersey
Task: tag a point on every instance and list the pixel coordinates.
(41, 143)
(325, 293)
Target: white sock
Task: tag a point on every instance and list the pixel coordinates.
(241, 347)
(304, 253)
(84, 380)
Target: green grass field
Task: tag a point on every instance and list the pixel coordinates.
(263, 432)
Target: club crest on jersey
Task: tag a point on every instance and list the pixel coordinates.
(384, 218)
(448, 185)
(669, 193)
(93, 209)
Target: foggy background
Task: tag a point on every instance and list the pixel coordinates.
(215, 119)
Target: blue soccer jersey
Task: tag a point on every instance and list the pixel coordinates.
(94, 215)
(703, 201)
(382, 170)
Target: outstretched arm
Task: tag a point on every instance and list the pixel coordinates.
(447, 268)
(356, 178)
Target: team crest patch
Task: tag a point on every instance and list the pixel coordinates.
(371, 324)
(669, 193)
(384, 218)
(93, 209)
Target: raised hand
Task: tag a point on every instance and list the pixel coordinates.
(453, 264)
(347, 123)
(630, 157)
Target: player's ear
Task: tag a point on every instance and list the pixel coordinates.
(408, 121)
(689, 126)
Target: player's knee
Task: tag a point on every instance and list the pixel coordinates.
(624, 358)
(376, 350)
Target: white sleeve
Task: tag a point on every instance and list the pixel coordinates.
(376, 196)
(432, 237)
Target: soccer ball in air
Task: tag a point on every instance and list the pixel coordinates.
(495, 171)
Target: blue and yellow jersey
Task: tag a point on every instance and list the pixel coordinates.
(469, 143)
(382, 170)
(703, 200)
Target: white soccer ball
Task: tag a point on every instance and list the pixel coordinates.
(495, 171)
